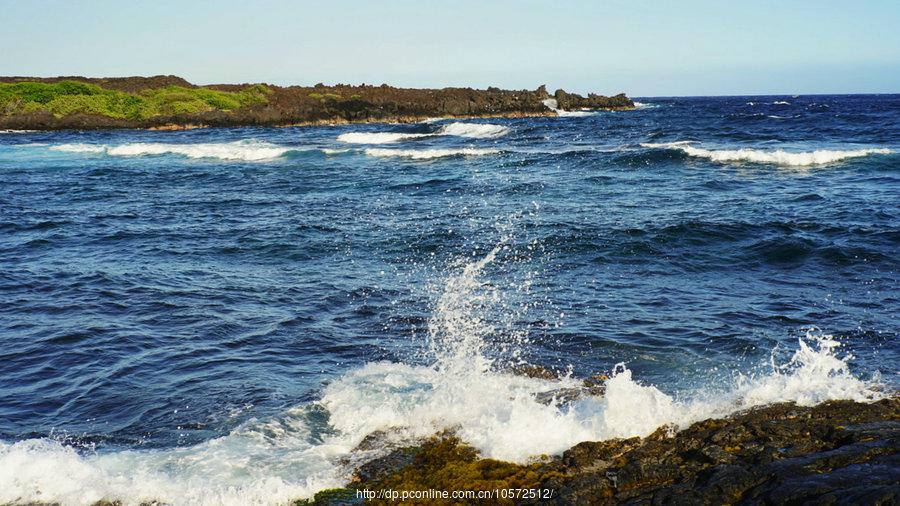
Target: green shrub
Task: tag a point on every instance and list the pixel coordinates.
(324, 96)
(72, 97)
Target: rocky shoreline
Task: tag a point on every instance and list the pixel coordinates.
(839, 452)
(272, 105)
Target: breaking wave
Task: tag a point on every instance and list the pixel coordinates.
(778, 157)
(553, 105)
(474, 130)
(503, 415)
(378, 137)
(247, 150)
(426, 154)
(456, 129)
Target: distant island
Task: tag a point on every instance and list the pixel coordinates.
(170, 102)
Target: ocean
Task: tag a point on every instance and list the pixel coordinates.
(221, 316)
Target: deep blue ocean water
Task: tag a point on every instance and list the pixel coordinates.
(160, 291)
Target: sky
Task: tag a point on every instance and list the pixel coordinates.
(641, 47)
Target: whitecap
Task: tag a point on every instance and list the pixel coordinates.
(80, 148)
(378, 137)
(474, 130)
(777, 157)
(553, 105)
(247, 150)
(456, 129)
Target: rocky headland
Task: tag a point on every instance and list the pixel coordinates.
(170, 102)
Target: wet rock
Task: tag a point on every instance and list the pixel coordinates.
(839, 452)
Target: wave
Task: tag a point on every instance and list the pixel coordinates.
(80, 148)
(426, 154)
(778, 157)
(504, 416)
(247, 150)
(553, 105)
(781, 102)
(456, 129)
(9, 131)
(474, 130)
(643, 105)
(378, 137)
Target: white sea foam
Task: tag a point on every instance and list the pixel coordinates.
(425, 154)
(644, 105)
(777, 157)
(80, 148)
(248, 150)
(9, 131)
(474, 130)
(781, 102)
(553, 105)
(272, 462)
(378, 137)
(457, 129)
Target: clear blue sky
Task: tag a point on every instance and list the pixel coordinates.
(687, 47)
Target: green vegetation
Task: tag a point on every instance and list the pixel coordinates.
(331, 497)
(71, 97)
(446, 463)
(325, 96)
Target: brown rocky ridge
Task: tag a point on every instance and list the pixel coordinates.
(276, 106)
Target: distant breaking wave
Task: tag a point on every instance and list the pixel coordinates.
(425, 154)
(553, 105)
(778, 157)
(377, 137)
(456, 129)
(474, 130)
(248, 150)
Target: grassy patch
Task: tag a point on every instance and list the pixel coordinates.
(325, 96)
(72, 97)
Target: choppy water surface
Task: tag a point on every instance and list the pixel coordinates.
(220, 316)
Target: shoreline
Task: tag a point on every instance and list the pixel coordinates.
(400, 120)
(770, 454)
(169, 103)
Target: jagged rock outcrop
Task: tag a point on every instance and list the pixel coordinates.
(840, 452)
(320, 104)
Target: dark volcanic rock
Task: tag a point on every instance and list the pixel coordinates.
(840, 452)
(320, 104)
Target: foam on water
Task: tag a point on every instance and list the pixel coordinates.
(247, 150)
(778, 157)
(80, 148)
(552, 104)
(378, 137)
(456, 129)
(427, 154)
(272, 462)
(474, 130)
